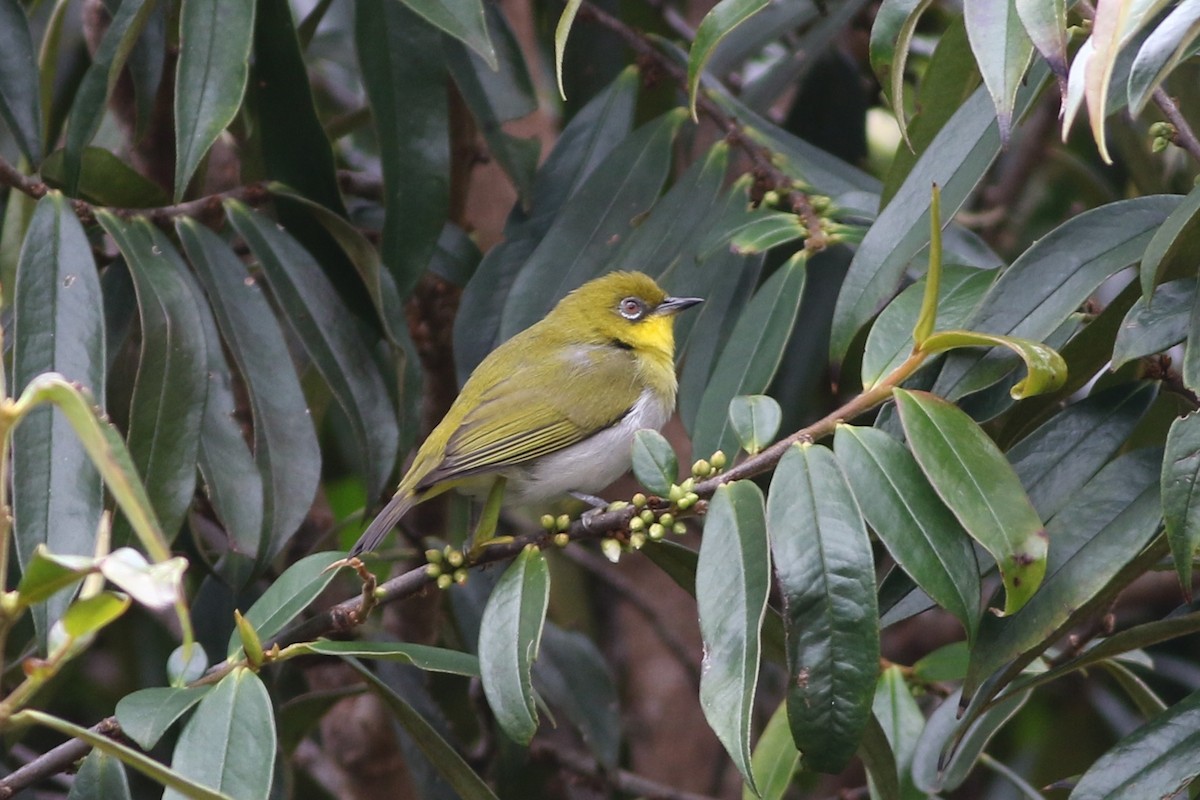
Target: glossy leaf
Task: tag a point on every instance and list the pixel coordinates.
(1066, 265)
(716, 25)
(909, 518)
(171, 390)
(287, 596)
(875, 752)
(230, 740)
(733, 579)
(751, 354)
(1155, 325)
(891, 36)
(654, 461)
(106, 180)
(464, 20)
(145, 715)
(1162, 51)
(1046, 369)
(1046, 23)
(214, 65)
(327, 330)
(579, 243)
(404, 74)
(1168, 255)
(755, 420)
(933, 769)
(285, 445)
(58, 326)
(1180, 501)
(143, 763)
(431, 659)
(1102, 529)
(891, 341)
(100, 777)
(1002, 49)
(764, 231)
(824, 566)
(509, 635)
(20, 107)
(1156, 760)
(902, 722)
(775, 759)
(978, 485)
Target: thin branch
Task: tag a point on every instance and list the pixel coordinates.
(1183, 137)
(622, 780)
(54, 761)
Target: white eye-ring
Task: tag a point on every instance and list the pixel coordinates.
(632, 308)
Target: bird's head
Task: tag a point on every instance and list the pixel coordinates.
(627, 309)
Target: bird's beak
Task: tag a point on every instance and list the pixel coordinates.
(673, 305)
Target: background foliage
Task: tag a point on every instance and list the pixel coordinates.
(250, 249)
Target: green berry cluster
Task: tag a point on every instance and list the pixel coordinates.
(446, 566)
(1164, 133)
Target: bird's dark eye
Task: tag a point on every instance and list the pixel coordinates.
(632, 308)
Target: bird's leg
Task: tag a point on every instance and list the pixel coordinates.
(489, 519)
(598, 506)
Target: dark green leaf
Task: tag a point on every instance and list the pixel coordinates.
(20, 107)
(976, 482)
(1162, 51)
(1002, 49)
(229, 743)
(572, 675)
(1180, 503)
(733, 579)
(285, 444)
(720, 20)
(775, 759)
(107, 180)
(1169, 253)
(432, 659)
(1154, 325)
(464, 20)
(751, 354)
(654, 461)
(171, 388)
(1156, 760)
(823, 561)
(755, 420)
(891, 36)
(147, 714)
(405, 76)
(210, 79)
(1065, 266)
(327, 330)
(875, 751)
(902, 722)
(58, 326)
(101, 777)
(509, 636)
(287, 596)
(1046, 24)
(930, 773)
(907, 515)
(580, 243)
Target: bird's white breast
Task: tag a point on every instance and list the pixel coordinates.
(594, 463)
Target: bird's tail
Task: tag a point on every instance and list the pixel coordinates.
(396, 508)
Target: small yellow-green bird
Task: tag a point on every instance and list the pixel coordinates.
(554, 409)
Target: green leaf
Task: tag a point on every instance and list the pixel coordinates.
(1155, 325)
(147, 714)
(404, 73)
(902, 722)
(1169, 253)
(1162, 52)
(462, 19)
(891, 36)
(1156, 760)
(285, 444)
(1113, 25)
(58, 326)
(775, 759)
(561, 31)
(106, 180)
(445, 758)
(134, 758)
(47, 574)
(755, 420)
(86, 617)
(1046, 24)
(431, 659)
(1143, 697)
(327, 330)
(826, 574)
(977, 483)
(171, 388)
(287, 596)
(18, 211)
(947, 663)
(1180, 502)
(20, 107)
(1100, 532)
(578, 246)
(100, 777)
(875, 752)
(955, 160)
(1046, 370)
(571, 674)
(229, 743)
(214, 64)
(751, 354)
(1065, 266)
(733, 579)
(768, 230)
(1002, 49)
(933, 769)
(909, 518)
(891, 341)
(654, 461)
(720, 20)
(509, 635)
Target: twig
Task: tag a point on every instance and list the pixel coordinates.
(1183, 136)
(619, 779)
(53, 761)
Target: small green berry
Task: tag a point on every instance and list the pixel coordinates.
(611, 549)
(647, 516)
(454, 558)
(637, 540)
(675, 493)
(687, 485)
(460, 576)
(563, 522)
(718, 459)
(445, 581)
(561, 540)
(639, 500)
(617, 505)
(1159, 144)
(548, 521)
(433, 570)
(667, 520)
(684, 503)
(657, 531)
(679, 528)
(637, 524)
(433, 556)
(701, 469)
